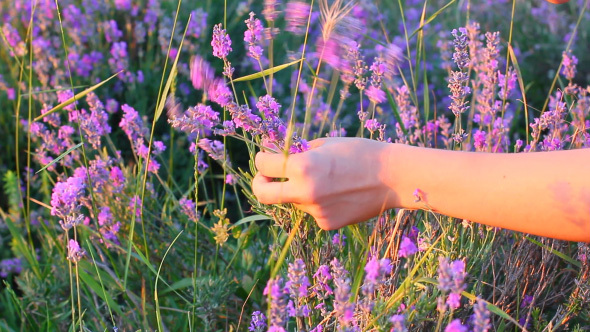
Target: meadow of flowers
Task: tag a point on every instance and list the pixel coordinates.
(129, 132)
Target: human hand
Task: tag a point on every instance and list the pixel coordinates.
(339, 181)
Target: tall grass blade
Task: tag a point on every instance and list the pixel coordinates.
(267, 72)
(78, 96)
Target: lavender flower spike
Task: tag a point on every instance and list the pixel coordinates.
(75, 253)
(221, 42)
(253, 36)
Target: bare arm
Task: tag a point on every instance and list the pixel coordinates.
(542, 193)
(344, 181)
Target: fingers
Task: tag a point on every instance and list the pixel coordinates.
(274, 165)
(269, 192)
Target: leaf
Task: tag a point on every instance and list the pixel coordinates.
(250, 219)
(266, 71)
(556, 252)
(98, 290)
(61, 156)
(76, 97)
(432, 17)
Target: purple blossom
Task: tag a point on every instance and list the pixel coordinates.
(9, 266)
(111, 31)
(298, 145)
(117, 179)
(399, 323)
(198, 24)
(268, 106)
(131, 123)
(278, 303)
(123, 5)
(135, 205)
(202, 74)
(455, 326)
(479, 140)
(407, 247)
(270, 11)
(506, 85)
(460, 56)
(189, 209)
(526, 301)
(569, 63)
(481, 317)
(459, 90)
(243, 117)
(65, 199)
(221, 42)
(454, 300)
(214, 149)
(296, 16)
(199, 119)
(258, 323)
(298, 282)
(231, 179)
(451, 278)
(220, 93)
(253, 36)
(338, 239)
(75, 253)
(375, 94)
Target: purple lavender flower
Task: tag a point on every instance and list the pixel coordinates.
(526, 301)
(460, 56)
(375, 95)
(270, 11)
(219, 93)
(298, 282)
(481, 317)
(65, 199)
(268, 106)
(201, 73)
(258, 323)
(135, 205)
(189, 209)
(506, 85)
(338, 240)
(123, 5)
(322, 277)
(9, 266)
(131, 123)
(298, 145)
(459, 90)
(75, 253)
(253, 36)
(199, 119)
(296, 16)
(451, 277)
(278, 303)
(407, 247)
(568, 68)
(198, 23)
(214, 148)
(111, 31)
(399, 323)
(455, 326)
(221, 42)
(243, 117)
(479, 140)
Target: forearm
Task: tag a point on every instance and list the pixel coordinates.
(543, 193)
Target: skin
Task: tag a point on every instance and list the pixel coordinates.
(342, 181)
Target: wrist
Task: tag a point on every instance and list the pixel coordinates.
(398, 176)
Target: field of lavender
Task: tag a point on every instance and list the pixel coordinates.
(129, 134)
